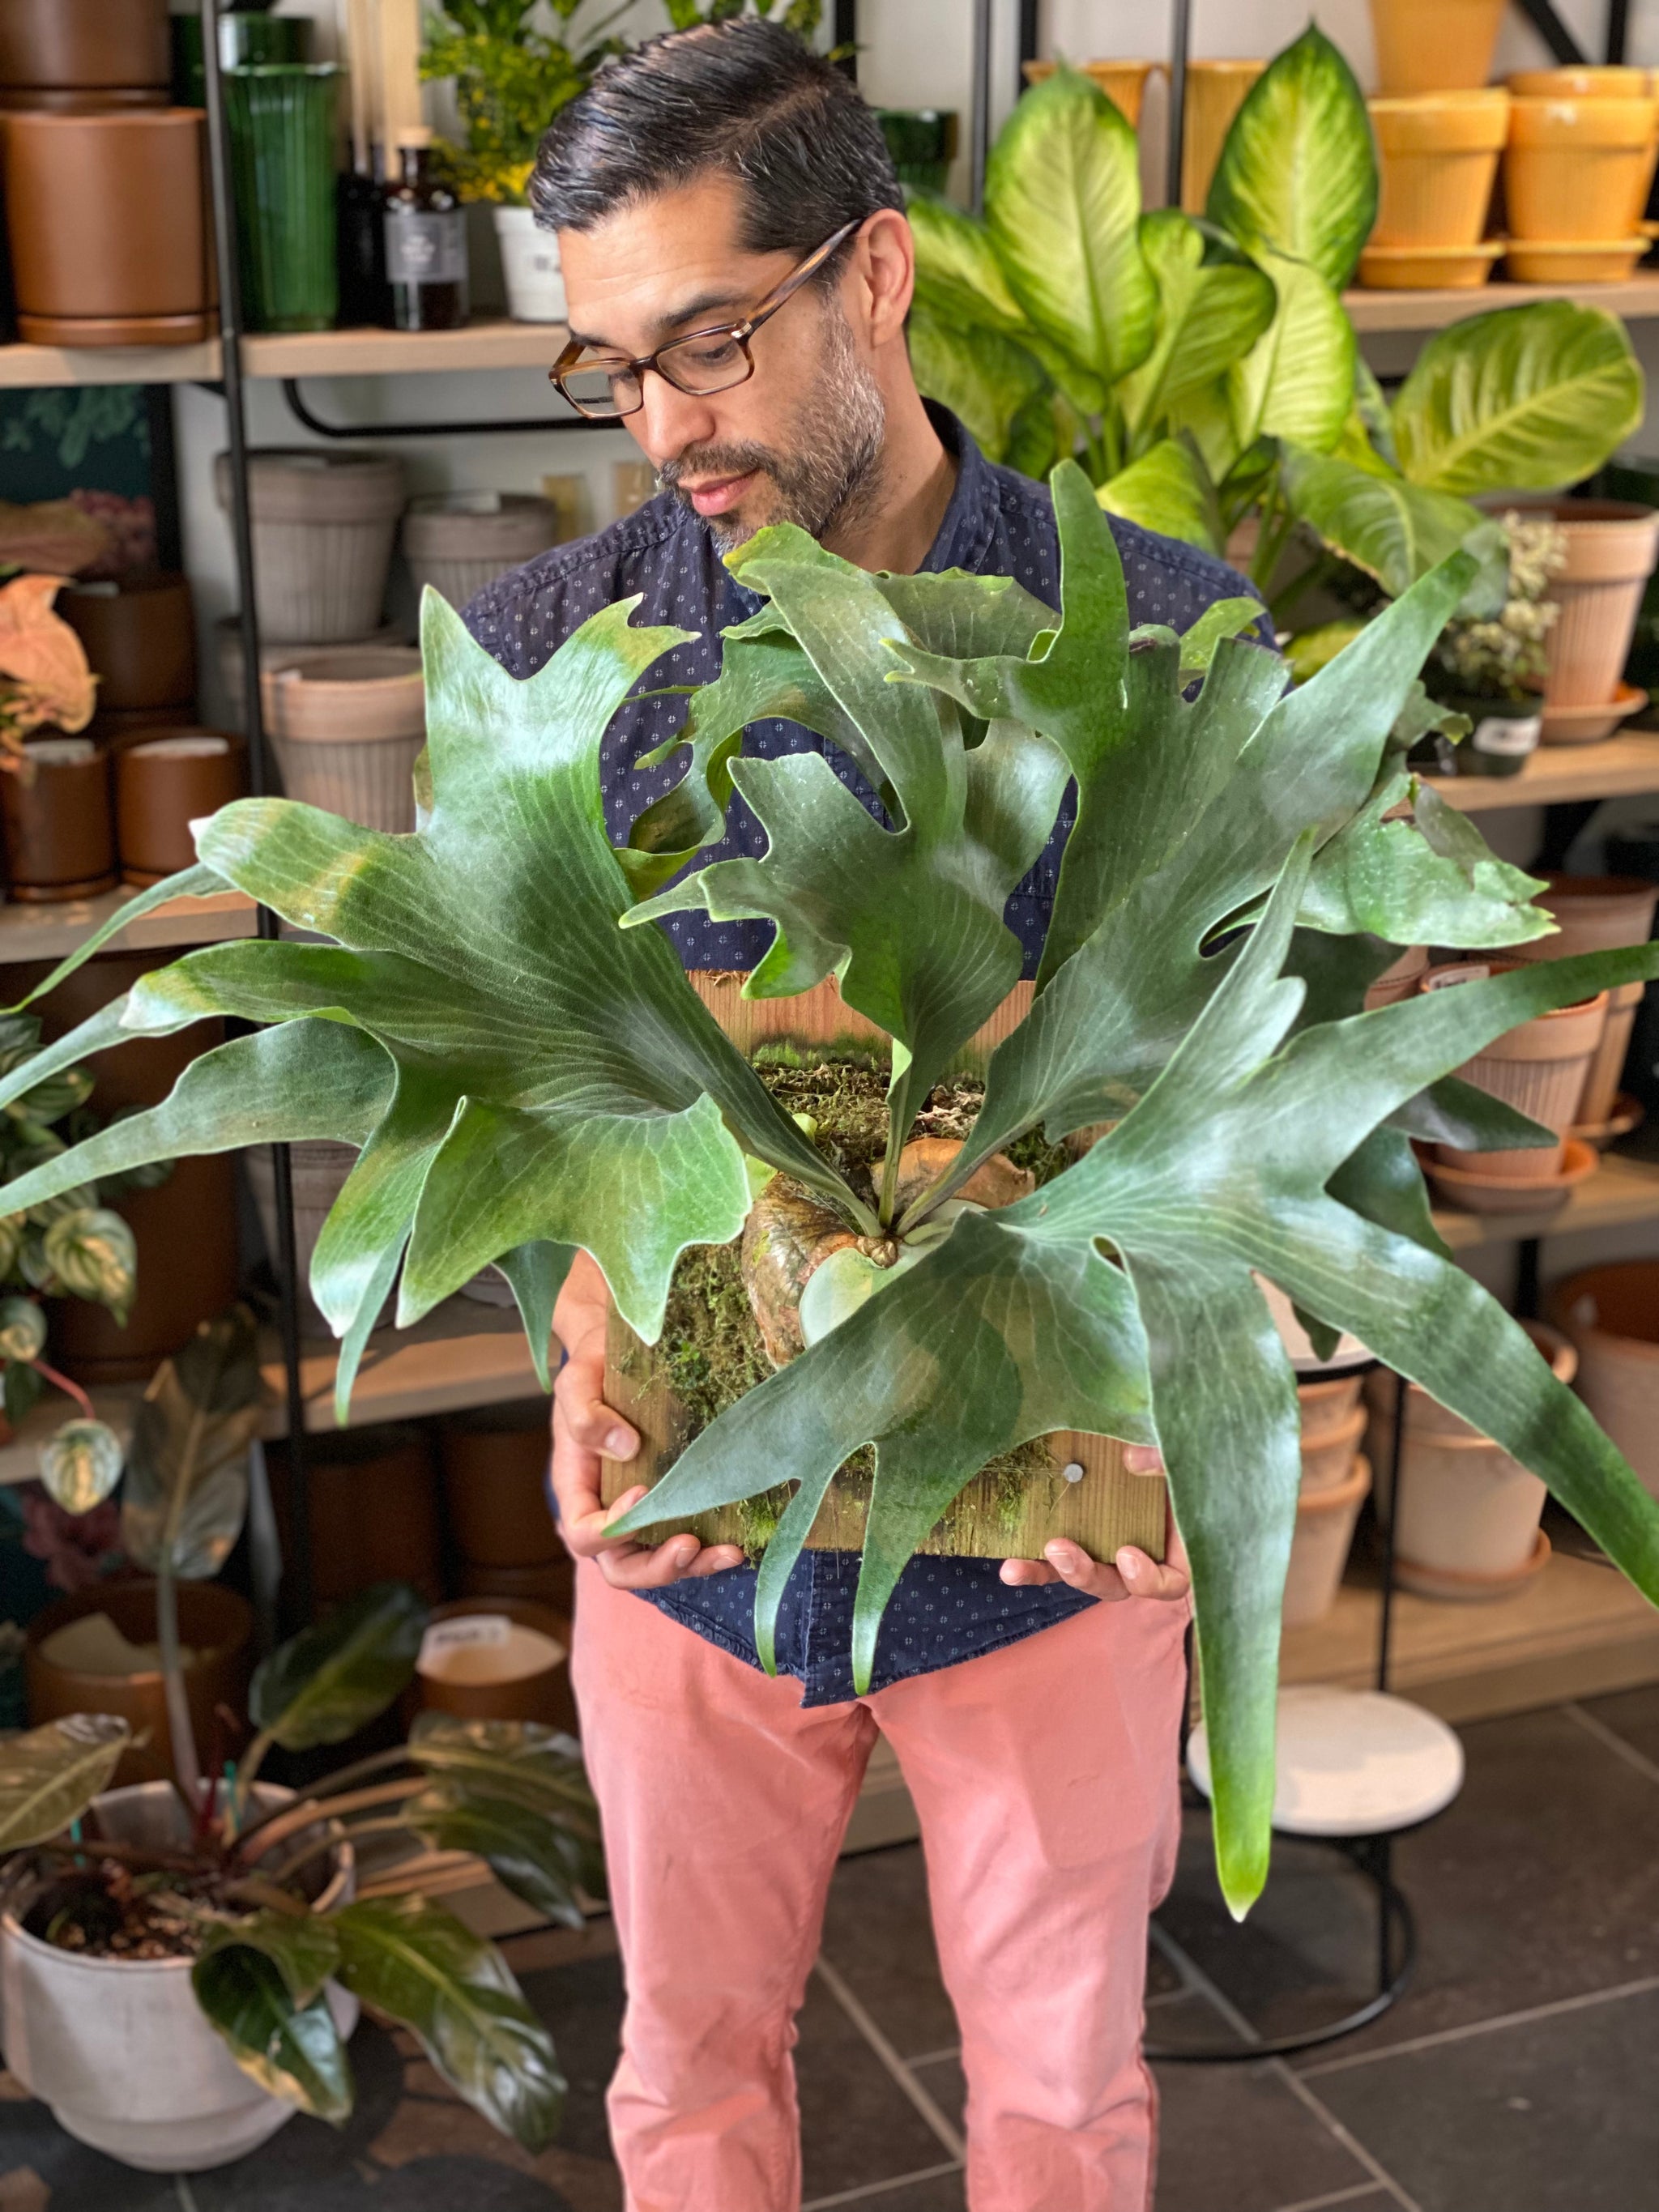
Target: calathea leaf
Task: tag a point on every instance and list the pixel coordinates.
(22, 1329)
(1168, 489)
(81, 1465)
(259, 1983)
(1297, 174)
(89, 1253)
(418, 1966)
(328, 1681)
(50, 1775)
(1393, 529)
(1213, 303)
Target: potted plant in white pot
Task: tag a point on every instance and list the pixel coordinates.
(182, 1961)
(499, 1027)
(510, 81)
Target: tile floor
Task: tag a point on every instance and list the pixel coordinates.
(1518, 2074)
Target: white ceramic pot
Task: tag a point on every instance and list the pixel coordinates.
(347, 727)
(118, 2048)
(465, 540)
(530, 264)
(324, 526)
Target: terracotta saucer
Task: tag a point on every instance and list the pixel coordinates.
(1433, 268)
(1490, 1193)
(1472, 1590)
(1627, 1114)
(1582, 725)
(1574, 260)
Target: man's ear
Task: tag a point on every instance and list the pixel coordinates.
(885, 264)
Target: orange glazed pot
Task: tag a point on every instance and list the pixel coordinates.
(1578, 169)
(1438, 157)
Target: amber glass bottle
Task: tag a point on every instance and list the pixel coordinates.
(425, 241)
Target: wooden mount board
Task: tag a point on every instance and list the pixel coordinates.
(1102, 1510)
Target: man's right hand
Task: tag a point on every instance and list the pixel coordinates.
(583, 1426)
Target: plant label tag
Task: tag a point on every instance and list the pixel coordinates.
(471, 1630)
(1509, 737)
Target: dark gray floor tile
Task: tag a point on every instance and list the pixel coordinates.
(1541, 1881)
(943, 2081)
(1633, 1715)
(939, 2192)
(1554, 2115)
(879, 1933)
(857, 2125)
(1238, 2138)
(40, 2165)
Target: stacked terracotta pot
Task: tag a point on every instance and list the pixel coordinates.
(1612, 547)
(1437, 154)
(1612, 1316)
(1467, 1524)
(105, 182)
(1215, 90)
(1576, 173)
(1335, 1478)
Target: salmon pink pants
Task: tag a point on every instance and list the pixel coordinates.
(1044, 1776)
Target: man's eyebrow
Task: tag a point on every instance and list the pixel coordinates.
(705, 307)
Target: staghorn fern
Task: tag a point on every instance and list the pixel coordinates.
(500, 1028)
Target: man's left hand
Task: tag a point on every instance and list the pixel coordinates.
(1131, 1574)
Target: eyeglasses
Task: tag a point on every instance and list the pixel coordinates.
(604, 384)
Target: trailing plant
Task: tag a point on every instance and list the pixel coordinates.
(44, 676)
(510, 81)
(498, 1025)
(1206, 371)
(800, 16)
(239, 1894)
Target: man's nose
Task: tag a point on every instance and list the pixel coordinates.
(670, 421)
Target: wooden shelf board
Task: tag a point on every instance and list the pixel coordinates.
(1621, 1191)
(462, 1354)
(482, 345)
(49, 932)
(1578, 1630)
(37, 365)
(1638, 296)
(1615, 768)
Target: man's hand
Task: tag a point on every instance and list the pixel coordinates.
(1132, 1574)
(583, 1427)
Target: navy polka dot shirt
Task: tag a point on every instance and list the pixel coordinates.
(998, 523)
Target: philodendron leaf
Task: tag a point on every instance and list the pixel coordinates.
(50, 1775)
(1297, 174)
(81, 1465)
(1521, 398)
(1393, 529)
(186, 1468)
(1062, 206)
(1168, 490)
(1213, 303)
(259, 1983)
(536, 1767)
(329, 1680)
(417, 1965)
(570, 1094)
(525, 1852)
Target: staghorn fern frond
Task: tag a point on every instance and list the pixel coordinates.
(511, 1043)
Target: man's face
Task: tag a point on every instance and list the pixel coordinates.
(801, 441)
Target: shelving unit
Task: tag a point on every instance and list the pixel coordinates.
(1623, 767)
(51, 933)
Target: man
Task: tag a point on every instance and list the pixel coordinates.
(739, 269)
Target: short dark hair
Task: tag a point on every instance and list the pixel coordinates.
(745, 96)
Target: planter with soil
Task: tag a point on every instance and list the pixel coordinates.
(1595, 914)
(497, 1659)
(162, 784)
(58, 825)
(736, 1313)
(1540, 1068)
(463, 541)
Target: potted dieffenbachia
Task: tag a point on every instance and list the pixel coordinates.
(497, 1021)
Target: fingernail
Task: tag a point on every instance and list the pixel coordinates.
(1128, 1563)
(1063, 1556)
(686, 1550)
(619, 1444)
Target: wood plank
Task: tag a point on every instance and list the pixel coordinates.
(52, 932)
(462, 1354)
(27, 366)
(1578, 1630)
(1637, 297)
(497, 344)
(1614, 768)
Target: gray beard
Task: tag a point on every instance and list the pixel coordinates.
(833, 477)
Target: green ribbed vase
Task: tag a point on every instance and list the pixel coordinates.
(282, 137)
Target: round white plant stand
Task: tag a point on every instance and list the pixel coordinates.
(1354, 1768)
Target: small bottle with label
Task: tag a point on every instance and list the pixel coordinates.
(425, 241)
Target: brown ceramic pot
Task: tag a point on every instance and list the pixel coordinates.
(553, 1584)
(164, 783)
(374, 1498)
(495, 1464)
(140, 639)
(59, 826)
(105, 43)
(106, 214)
(502, 1681)
(116, 731)
(81, 99)
(213, 1622)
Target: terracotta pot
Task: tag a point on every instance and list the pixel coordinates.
(108, 229)
(1429, 267)
(1612, 1316)
(81, 99)
(1319, 1551)
(213, 1622)
(1596, 914)
(1612, 545)
(462, 542)
(374, 1510)
(1578, 169)
(276, 653)
(324, 525)
(1215, 93)
(1438, 160)
(1328, 1459)
(140, 638)
(1540, 1068)
(1595, 81)
(554, 1585)
(495, 1464)
(347, 728)
(1327, 1406)
(163, 784)
(63, 43)
(319, 1168)
(113, 732)
(1400, 981)
(1124, 83)
(517, 1669)
(1490, 1193)
(1551, 261)
(59, 827)
(1426, 1417)
(1434, 46)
